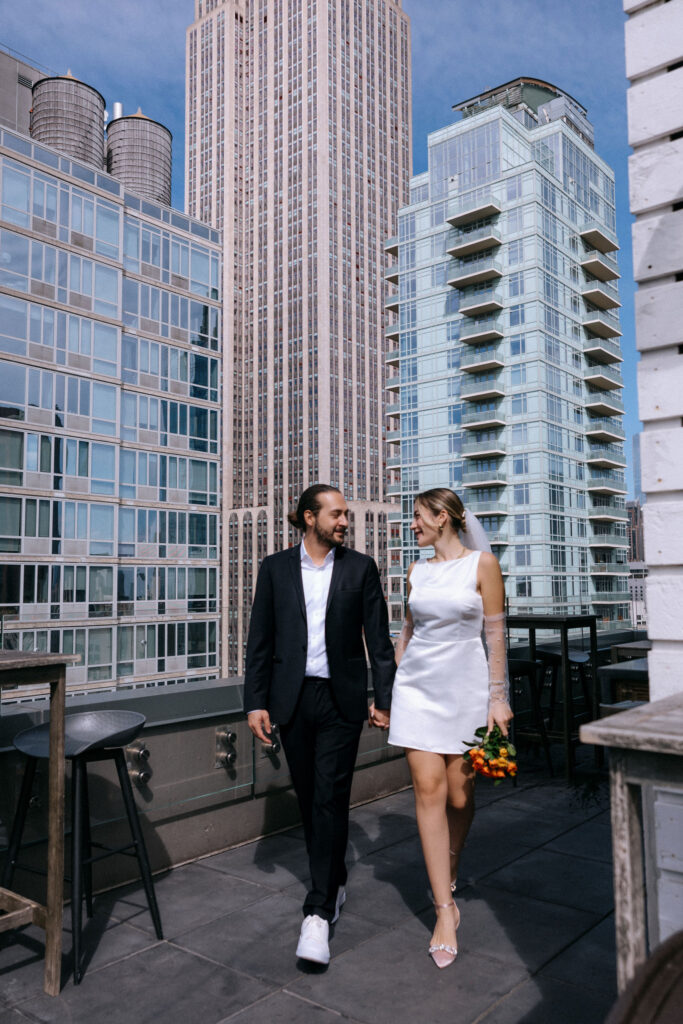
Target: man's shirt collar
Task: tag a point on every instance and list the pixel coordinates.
(307, 560)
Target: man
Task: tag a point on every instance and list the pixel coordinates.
(306, 671)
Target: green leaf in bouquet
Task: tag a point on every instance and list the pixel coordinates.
(512, 750)
(481, 731)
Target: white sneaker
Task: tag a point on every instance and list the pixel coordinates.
(313, 940)
(341, 900)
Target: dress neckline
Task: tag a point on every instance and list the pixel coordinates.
(448, 561)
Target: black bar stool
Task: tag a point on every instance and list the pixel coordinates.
(90, 736)
(529, 721)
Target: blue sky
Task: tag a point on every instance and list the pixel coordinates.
(134, 51)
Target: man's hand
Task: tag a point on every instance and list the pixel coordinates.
(378, 718)
(259, 723)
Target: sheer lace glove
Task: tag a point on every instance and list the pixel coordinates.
(404, 637)
(499, 712)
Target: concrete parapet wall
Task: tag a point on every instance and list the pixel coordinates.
(193, 804)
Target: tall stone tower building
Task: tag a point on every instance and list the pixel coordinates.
(299, 149)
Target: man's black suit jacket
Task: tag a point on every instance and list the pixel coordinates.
(278, 636)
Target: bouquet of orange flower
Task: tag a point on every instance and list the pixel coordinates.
(492, 755)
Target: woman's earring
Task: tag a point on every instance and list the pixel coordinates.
(440, 528)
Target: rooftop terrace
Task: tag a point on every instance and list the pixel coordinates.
(536, 940)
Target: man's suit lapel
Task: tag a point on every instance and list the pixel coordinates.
(337, 572)
(295, 569)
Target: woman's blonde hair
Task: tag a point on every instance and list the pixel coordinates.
(441, 499)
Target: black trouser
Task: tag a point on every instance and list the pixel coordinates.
(321, 749)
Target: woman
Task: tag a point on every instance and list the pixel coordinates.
(444, 689)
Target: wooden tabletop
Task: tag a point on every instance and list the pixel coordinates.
(636, 668)
(633, 645)
(656, 727)
(34, 659)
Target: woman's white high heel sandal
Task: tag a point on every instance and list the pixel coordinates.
(442, 954)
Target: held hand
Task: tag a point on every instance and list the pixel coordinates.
(500, 714)
(259, 723)
(378, 718)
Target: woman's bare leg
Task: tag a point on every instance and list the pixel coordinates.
(430, 785)
(460, 805)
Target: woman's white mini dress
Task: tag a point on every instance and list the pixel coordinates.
(441, 688)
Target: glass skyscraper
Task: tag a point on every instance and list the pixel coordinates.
(110, 404)
(505, 350)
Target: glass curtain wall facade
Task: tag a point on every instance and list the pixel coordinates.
(110, 482)
(299, 149)
(505, 350)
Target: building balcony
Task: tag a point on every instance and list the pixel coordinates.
(467, 272)
(394, 384)
(393, 409)
(393, 357)
(487, 357)
(473, 390)
(392, 332)
(608, 511)
(466, 242)
(394, 461)
(396, 487)
(601, 294)
(487, 329)
(393, 437)
(480, 303)
(473, 448)
(608, 539)
(609, 569)
(497, 538)
(609, 596)
(391, 304)
(482, 419)
(601, 323)
(597, 236)
(606, 456)
(605, 429)
(391, 247)
(600, 265)
(603, 376)
(607, 482)
(602, 350)
(484, 478)
(391, 274)
(494, 508)
(472, 207)
(604, 403)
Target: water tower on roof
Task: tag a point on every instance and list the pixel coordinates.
(69, 116)
(139, 155)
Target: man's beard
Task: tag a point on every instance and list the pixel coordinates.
(328, 537)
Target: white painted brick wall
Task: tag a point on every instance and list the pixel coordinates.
(654, 41)
(660, 386)
(655, 107)
(659, 315)
(665, 621)
(655, 177)
(663, 532)
(658, 245)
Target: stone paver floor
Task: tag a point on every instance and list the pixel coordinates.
(536, 939)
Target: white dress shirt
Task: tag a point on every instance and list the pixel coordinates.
(316, 580)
